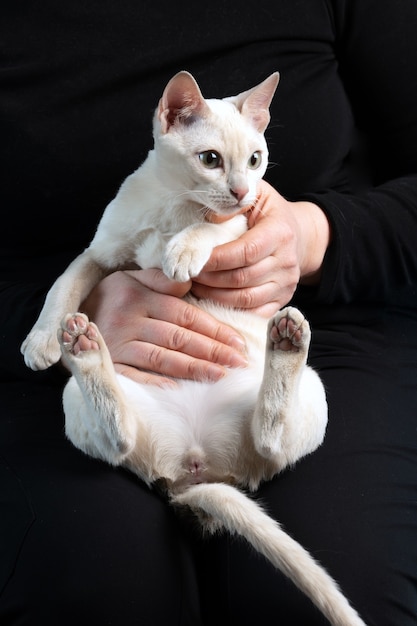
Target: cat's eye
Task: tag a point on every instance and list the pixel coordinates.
(255, 160)
(210, 159)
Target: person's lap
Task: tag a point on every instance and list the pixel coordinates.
(80, 538)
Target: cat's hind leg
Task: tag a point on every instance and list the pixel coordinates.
(96, 417)
(291, 412)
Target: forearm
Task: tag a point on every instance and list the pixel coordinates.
(372, 253)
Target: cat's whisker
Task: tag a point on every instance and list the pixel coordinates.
(254, 203)
(261, 212)
(253, 207)
(206, 211)
(193, 191)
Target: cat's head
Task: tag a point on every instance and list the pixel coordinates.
(213, 152)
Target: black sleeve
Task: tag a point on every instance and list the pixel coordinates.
(373, 252)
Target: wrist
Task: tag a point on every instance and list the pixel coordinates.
(314, 238)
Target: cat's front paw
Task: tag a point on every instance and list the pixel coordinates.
(182, 262)
(40, 349)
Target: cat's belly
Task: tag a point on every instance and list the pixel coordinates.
(197, 430)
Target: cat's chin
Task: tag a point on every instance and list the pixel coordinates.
(218, 218)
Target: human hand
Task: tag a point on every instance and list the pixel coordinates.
(152, 334)
(285, 245)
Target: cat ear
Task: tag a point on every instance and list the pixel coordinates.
(254, 103)
(182, 100)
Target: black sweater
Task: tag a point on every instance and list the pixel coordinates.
(78, 85)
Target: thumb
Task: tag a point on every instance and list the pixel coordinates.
(156, 280)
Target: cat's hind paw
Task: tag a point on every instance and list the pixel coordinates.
(289, 331)
(79, 338)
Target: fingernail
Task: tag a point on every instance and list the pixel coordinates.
(238, 344)
(238, 360)
(215, 372)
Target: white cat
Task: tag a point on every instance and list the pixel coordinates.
(203, 440)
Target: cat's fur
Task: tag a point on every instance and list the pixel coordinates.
(203, 440)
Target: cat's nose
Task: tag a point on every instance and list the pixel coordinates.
(239, 192)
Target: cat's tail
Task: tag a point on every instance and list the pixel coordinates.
(229, 508)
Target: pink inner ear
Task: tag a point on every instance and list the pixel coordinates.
(182, 100)
(259, 118)
(254, 104)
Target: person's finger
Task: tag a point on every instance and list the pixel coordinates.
(239, 278)
(158, 360)
(156, 280)
(143, 377)
(242, 252)
(183, 314)
(172, 337)
(247, 298)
